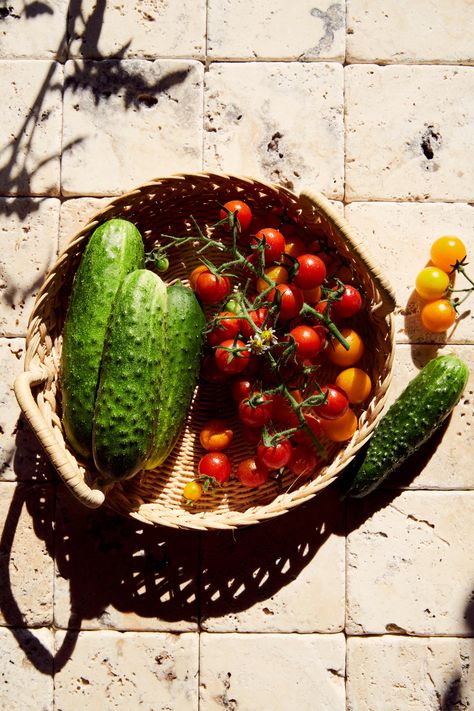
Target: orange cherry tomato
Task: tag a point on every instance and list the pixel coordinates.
(312, 296)
(277, 273)
(216, 435)
(342, 428)
(355, 383)
(193, 277)
(295, 246)
(438, 316)
(339, 355)
(446, 251)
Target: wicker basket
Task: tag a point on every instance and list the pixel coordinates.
(163, 206)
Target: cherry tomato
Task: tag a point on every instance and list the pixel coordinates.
(294, 246)
(192, 491)
(216, 435)
(283, 413)
(342, 428)
(227, 327)
(276, 273)
(291, 300)
(438, 316)
(229, 362)
(336, 403)
(258, 317)
(195, 274)
(303, 461)
(216, 466)
(311, 272)
(303, 436)
(446, 251)
(252, 473)
(348, 305)
(212, 288)
(274, 244)
(256, 415)
(210, 373)
(241, 388)
(355, 383)
(312, 296)
(308, 343)
(244, 213)
(431, 283)
(339, 355)
(275, 456)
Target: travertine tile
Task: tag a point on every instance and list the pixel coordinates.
(254, 123)
(126, 122)
(30, 130)
(403, 673)
(150, 28)
(26, 669)
(294, 583)
(36, 29)
(75, 213)
(138, 577)
(399, 237)
(410, 563)
(423, 31)
(276, 29)
(26, 574)
(277, 671)
(408, 133)
(28, 234)
(129, 670)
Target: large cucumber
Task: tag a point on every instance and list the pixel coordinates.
(421, 408)
(185, 329)
(128, 397)
(114, 249)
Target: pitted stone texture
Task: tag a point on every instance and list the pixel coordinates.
(149, 28)
(408, 133)
(139, 577)
(272, 671)
(399, 238)
(410, 564)
(409, 674)
(36, 29)
(30, 130)
(28, 239)
(26, 575)
(254, 126)
(425, 31)
(26, 669)
(125, 122)
(129, 670)
(75, 214)
(295, 585)
(276, 29)
(445, 461)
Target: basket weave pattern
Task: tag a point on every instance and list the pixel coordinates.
(163, 207)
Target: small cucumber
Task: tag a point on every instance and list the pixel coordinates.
(114, 249)
(421, 408)
(128, 397)
(181, 364)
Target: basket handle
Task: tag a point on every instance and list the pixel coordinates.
(24, 382)
(314, 203)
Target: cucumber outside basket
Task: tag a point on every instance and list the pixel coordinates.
(163, 207)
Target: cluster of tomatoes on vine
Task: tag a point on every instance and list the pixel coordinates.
(280, 309)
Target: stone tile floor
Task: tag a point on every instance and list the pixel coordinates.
(367, 606)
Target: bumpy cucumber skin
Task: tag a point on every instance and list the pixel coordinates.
(114, 249)
(185, 334)
(127, 404)
(421, 408)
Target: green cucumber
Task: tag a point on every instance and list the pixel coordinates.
(420, 409)
(128, 397)
(181, 364)
(114, 249)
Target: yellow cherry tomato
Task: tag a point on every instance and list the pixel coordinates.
(355, 383)
(192, 491)
(312, 296)
(339, 355)
(216, 435)
(294, 246)
(446, 251)
(277, 273)
(431, 283)
(438, 316)
(342, 428)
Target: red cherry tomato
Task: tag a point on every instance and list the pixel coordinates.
(303, 461)
(212, 288)
(229, 362)
(227, 327)
(336, 403)
(215, 465)
(258, 316)
(303, 437)
(252, 473)
(311, 271)
(256, 415)
(274, 244)
(275, 456)
(210, 373)
(349, 305)
(307, 340)
(283, 414)
(241, 388)
(290, 299)
(244, 213)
